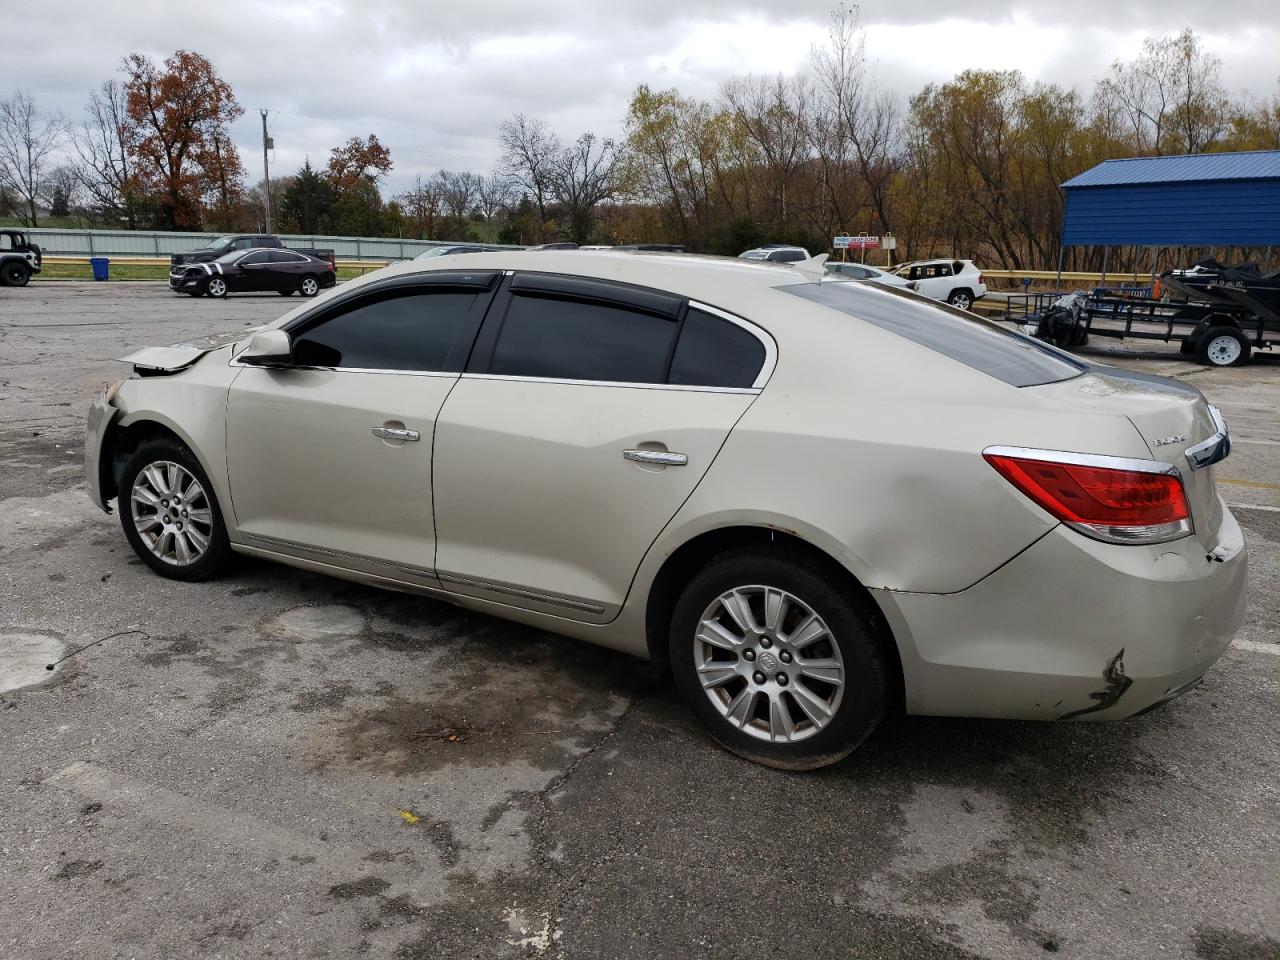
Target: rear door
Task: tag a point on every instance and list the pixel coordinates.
(329, 457)
(588, 414)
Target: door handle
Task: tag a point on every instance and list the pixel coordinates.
(661, 458)
(391, 433)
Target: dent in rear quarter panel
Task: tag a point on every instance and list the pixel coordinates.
(193, 404)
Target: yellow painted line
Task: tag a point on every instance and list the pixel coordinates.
(1250, 483)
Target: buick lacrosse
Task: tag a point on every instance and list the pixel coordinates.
(817, 500)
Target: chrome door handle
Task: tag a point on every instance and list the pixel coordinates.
(391, 433)
(661, 458)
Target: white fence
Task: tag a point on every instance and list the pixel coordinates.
(59, 242)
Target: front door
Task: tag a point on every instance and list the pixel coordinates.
(581, 426)
(329, 457)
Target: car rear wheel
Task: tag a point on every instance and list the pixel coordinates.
(170, 514)
(15, 274)
(780, 660)
(1223, 347)
(309, 287)
(962, 299)
(217, 287)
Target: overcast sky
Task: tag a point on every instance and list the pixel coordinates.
(435, 79)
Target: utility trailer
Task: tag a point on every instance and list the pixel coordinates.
(1222, 331)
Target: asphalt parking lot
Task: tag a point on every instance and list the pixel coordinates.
(277, 764)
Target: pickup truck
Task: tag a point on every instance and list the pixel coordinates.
(242, 241)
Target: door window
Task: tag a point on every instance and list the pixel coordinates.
(280, 256)
(401, 330)
(254, 258)
(575, 340)
(715, 353)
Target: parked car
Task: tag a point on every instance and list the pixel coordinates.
(561, 245)
(653, 247)
(958, 282)
(254, 271)
(776, 253)
(19, 258)
(863, 271)
(239, 242)
(817, 501)
(446, 250)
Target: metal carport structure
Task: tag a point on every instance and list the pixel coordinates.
(1199, 200)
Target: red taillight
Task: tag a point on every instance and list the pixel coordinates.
(1112, 503)
(982, 279)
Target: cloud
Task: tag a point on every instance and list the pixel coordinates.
(434, 80)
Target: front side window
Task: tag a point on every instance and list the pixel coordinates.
(400, 330)
(576, 340)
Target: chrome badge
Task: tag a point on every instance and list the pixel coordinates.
(1165, 441)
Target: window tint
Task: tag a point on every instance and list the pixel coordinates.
(260, 257)
(405, 330)
(787, 256)
(280, 256)
(965, 338)
(715, 353)
(244, 243)
(573, 340)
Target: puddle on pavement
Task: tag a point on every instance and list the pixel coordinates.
(322, 622)
(24, 659)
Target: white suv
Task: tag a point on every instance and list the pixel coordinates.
(958, 282)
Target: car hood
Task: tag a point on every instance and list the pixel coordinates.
(179, 356)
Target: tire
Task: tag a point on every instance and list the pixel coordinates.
(15, 273)
(195, 293)
(849, 647)
(216, 287)
(960, 299)
(1223, 347)
(309, 286)
(156, 465)
(1187, 347)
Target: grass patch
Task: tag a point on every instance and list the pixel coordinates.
(138, 271)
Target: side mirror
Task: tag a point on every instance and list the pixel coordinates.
(266, 347)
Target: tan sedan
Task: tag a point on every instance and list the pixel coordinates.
(817, 500)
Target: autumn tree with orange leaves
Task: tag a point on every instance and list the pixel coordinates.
(185, 157)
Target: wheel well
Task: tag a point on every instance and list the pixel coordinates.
(1223, 320)
(119, 445)
(691, 557)
(955, 290)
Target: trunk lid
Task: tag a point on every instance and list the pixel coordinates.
(1170, 417)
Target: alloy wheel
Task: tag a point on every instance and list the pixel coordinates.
(171, 513)
(961, 301)
(769, 663)
(310, 287)
(217, 288)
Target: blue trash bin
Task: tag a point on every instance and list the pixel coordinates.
(100, 268)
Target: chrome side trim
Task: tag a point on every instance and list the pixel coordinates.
(510, 591)
(1214, 450)
(233, 362)
(289, 546)
(1085, 459)
(618, 384)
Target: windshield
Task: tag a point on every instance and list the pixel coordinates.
(222, 242)
(977, 343)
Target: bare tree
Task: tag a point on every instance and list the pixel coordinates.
(422, 205)
(28, 139)
(62, 191)
(774, 112)
(584, 175)
(493, 194)
(458, 192)
(104, 144)
(531, 152)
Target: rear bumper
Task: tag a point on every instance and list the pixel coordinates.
(1073, 629)
(99, 420)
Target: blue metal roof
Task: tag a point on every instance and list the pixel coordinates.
(1200, 167)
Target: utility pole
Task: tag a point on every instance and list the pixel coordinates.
(266, 173)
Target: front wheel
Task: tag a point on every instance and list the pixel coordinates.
(169, 512)
(309, 287)
(15, 274)
(1224, 347)
(779, 658)
(216, 287)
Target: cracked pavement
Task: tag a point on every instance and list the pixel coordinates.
(278, 764)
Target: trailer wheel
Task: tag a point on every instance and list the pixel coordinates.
(1224, 347)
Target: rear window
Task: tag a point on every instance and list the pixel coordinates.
(715, 353)
(979, 344)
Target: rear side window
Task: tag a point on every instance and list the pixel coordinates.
(280, 256)
(261, 256)
(403, 330)
(980, 344)
(713, 352)
(576, 340)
